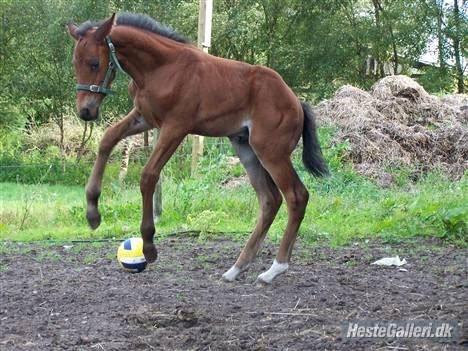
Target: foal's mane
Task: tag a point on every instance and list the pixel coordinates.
(139, 21)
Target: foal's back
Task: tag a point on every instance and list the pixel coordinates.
(228, 95)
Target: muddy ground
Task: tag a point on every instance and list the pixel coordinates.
(53, 298)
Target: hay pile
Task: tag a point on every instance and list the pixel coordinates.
(399, 124)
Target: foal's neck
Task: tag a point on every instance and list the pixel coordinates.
(141, 52)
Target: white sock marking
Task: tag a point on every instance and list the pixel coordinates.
(275, 270)
(231, 274)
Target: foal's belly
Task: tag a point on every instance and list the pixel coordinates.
(220, 126)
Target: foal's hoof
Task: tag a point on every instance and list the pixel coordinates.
(275, 270)
(94, 219)
(231, 274)
(150, 252)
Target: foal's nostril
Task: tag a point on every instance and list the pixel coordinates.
(84, 113)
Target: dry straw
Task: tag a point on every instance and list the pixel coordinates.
(399, 124)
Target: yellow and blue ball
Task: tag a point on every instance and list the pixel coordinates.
(130, 255)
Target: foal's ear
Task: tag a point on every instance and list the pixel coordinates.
(104, 29)
(72, 30)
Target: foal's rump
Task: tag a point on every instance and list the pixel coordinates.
(278, 112)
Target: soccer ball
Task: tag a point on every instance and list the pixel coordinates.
(130, 255)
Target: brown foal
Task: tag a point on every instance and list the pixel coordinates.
(181, 90)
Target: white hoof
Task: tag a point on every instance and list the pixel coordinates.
(231, 274)
(275, 270)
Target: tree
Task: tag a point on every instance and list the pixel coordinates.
(457, 32)
(316, 46)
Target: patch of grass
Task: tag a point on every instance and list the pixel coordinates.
(111, 255)
(342, 208)
(364, 210)
(7, 248)
(50, 256)
(90, 258)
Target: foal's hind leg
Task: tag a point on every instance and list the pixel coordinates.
(132, 124)
(296, 196)
(277, 162)
(269, 199)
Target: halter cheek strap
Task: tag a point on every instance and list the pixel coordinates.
(111, 69)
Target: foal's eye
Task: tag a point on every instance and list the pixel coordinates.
(94, 66)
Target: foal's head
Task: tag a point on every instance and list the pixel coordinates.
(91, 60)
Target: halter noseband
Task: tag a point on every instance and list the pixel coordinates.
(111, 69)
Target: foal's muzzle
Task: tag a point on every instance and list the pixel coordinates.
(89, 114)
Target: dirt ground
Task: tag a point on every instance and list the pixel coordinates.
(56, 298)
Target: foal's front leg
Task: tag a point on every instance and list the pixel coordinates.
(168, 141)
(131, 124)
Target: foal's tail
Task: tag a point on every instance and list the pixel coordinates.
(312, 153)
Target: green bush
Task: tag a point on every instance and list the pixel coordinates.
(10, 116)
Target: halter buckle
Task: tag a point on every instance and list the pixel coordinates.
(110, 45)
(94, 88)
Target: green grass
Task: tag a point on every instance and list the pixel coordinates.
(45, 212)
(434, 207)
(343, 208)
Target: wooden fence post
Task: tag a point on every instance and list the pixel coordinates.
(204, 42)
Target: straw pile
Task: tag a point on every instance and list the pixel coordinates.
(399, 124)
